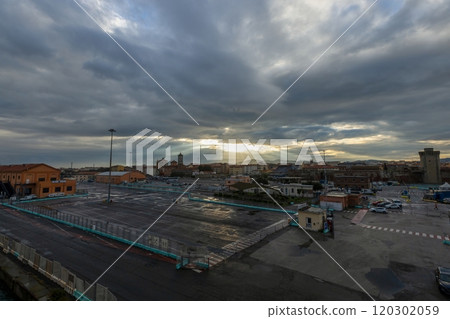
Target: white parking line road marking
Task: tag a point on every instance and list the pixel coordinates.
(402, 231)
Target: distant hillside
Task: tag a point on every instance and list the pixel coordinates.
(445, 160)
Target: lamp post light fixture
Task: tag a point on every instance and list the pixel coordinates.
(110, 165)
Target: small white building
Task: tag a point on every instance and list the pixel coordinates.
(258, 190)
(297, 190)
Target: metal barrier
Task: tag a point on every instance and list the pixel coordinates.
(153, 188)
(257, 236)
(232, 248)
(149, 241)
(51, 198)
(53, 270)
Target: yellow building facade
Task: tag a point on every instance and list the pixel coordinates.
(41, 180)
(312, 219)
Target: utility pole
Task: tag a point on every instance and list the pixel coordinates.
(110, 165)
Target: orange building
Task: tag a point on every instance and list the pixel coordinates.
(354, 200)
(120, 177)
(41, 180)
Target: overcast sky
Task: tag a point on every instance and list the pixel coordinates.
(381, 92)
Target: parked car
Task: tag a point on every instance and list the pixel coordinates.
(56, 195)
(29, 197)
(393, 206)
(380, 210)
(442, 275)
(398, 202)
(383, 204)
(446, 200)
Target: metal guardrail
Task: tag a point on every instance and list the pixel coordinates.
(55, 272)
(152, 242)
(232, 248)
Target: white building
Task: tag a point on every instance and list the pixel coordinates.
(258, 190)
(297, 190)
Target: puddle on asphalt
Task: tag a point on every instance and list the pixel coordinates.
(385, 280)
(304, 249)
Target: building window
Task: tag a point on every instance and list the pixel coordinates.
(18, 178)
(308, 222)
(45, 190)
(57, 189)
(69, 188)
(41, 179)
(53, 178)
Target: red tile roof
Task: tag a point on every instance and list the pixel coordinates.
(17, 168)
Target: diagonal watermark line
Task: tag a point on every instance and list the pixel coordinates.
(140, 236)
(315, 61)
(134, 60)
(315, 241)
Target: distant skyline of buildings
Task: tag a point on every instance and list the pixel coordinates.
(291, 161)
(187, 160)
(356, 174)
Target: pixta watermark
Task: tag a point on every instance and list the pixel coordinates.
(225, 151)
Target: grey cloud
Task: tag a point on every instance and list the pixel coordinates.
(225, 62)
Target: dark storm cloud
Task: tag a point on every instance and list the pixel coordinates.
(64, 82)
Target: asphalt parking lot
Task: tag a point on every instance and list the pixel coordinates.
(191, 223)
(392, 256)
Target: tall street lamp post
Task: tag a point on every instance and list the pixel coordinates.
(110, 165)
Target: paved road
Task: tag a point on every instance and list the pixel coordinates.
(142, 276)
